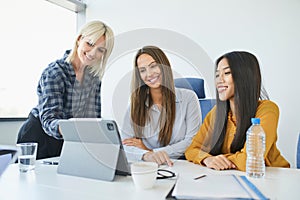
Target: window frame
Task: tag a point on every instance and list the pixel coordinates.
(80, 10)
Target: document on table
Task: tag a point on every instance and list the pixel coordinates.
(216, 187)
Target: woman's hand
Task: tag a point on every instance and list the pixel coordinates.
(219, 162)
(136, 142)
(160, 157)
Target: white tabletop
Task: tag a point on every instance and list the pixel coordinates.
(44, 183)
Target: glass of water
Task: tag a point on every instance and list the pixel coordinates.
(27, 156)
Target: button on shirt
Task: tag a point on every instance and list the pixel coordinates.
(61, 96)
(186, 124)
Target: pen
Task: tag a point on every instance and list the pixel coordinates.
(47, 162)
(202, 176)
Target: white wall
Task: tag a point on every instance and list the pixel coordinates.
(9, 132)
(270, 29)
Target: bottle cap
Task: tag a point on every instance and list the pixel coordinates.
(255, 120)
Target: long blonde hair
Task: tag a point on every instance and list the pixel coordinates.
(140, 95)
(94, 30)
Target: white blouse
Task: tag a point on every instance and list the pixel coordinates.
(187, 123)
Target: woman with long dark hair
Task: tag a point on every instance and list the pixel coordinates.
(220, 142)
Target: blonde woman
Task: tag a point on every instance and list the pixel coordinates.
(68, 88)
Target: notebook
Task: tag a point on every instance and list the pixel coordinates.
(92, 149)
(8, 155)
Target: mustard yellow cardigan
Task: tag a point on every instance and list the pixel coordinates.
(267, 111)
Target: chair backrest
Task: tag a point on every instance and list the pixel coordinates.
(197, 85)
(206, 105)
(298, 152)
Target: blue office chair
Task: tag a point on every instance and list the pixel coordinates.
(197, 85)
(298, 152)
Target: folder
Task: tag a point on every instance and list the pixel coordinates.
(216, 187)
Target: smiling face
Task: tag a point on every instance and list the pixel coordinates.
(224, 82)
(150, 71)
(90, 53)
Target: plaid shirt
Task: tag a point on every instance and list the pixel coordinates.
(61, 96)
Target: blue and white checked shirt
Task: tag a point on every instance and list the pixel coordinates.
(61, 96)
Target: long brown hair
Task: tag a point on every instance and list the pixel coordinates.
(140, 95)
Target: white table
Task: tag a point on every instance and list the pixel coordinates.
(278, 183)
(44, 183)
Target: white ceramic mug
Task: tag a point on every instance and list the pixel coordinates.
(144, 174)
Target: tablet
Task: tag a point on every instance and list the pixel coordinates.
(92, 148)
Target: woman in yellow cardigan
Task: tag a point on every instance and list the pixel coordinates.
(221, 141)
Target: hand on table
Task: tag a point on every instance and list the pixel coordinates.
(136, 142)
(160, 157)
(219, 162)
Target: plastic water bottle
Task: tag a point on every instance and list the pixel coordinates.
(255, 147)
